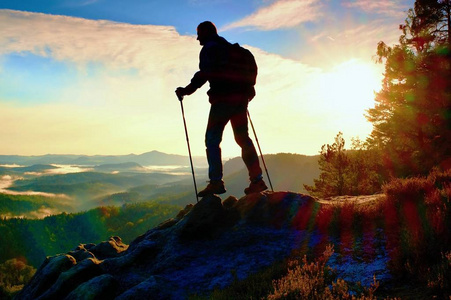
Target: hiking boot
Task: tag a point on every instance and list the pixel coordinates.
(214, 187)
(256, 187)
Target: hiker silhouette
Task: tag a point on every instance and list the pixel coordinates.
(231, 81)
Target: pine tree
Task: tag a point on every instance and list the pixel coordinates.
(333, 164)
(412, 115)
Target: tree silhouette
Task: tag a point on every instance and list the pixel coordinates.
(412, 115)
(333, 164)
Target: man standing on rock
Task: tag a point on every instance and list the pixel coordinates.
(229, 100)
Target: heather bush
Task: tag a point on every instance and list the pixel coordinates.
(417, 226)
(314, 280)
(439, 276)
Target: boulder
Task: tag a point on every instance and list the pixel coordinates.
(46, 276)
(203, 220)
(111, 248)
(73, 277)
(101, 287)
(206, 246)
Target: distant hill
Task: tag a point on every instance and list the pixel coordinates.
(31, 206)
(87, 186)
(103, 186)
(287, 171)
(34, 168)
(21, 170)
(155, 158)
(123, 167)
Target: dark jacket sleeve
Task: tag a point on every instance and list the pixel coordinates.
(211, 62)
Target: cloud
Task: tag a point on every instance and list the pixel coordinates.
(128, 104)
(6, 181)
(110, 104)
(78, 3)
(83, 41)
(281, 14)
(350, 40)
(394, 8)
(38, 214)
(362, 35)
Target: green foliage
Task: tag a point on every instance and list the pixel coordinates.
(355, 172)
(36, 239)
(121, 198)
(88, 185)
(366, 173)
(412, 115)
(14, 274)
(334, 164)
(24, 205)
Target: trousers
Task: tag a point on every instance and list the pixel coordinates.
(220, 114)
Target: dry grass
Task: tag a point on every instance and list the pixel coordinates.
(414, 217)
(312, 280)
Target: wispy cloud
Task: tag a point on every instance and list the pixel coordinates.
(7, 180)
(281, 14)
(115, 112)
(38, 214)
(356, 40)
(80, 3)
(394, 8)
(83, 41)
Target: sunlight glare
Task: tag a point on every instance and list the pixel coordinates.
(352, 86)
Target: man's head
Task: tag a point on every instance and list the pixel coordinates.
(205, 31)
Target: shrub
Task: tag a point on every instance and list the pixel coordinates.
(312, 280)
(354, 172)
(439, 276)
(412, 189)
(14, 274)
(418, 220)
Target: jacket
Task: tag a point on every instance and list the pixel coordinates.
(213, 60)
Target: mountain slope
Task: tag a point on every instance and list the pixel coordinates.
(149, 158)
(288, 172)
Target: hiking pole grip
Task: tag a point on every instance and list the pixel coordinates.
(189, 148)
(259, 149)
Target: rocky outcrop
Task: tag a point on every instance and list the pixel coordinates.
(205, 246)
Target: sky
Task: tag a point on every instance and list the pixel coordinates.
(98, 76)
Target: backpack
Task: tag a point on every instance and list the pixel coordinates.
(241, 66)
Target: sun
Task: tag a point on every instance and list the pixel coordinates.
(344, 93)
(353, 84)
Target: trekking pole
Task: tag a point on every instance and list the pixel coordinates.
(189, 148)
(259, 149)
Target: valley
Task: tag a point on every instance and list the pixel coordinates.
(56, 184)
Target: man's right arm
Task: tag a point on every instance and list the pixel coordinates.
(200, 77)
(196, 83)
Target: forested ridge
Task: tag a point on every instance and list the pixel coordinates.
(34, 239)
(19, 205)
